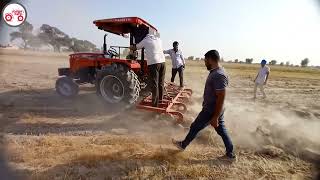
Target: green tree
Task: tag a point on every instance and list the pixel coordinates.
(191, 58)
(249, 60)
(273, 62)
(24, 33)
(82, 45)
(35, 42)
(305, 62)
(55, 37)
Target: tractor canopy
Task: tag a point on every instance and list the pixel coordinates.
(124, 25)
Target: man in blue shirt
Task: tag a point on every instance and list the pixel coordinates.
(178, 62)
(212, 106)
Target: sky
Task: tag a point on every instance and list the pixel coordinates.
(284, 30)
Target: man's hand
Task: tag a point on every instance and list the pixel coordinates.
(133, 47)
(220, 94)
(214, 122)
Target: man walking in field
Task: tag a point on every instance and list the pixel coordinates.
(178, 62)
(212, 107)
(261, 79)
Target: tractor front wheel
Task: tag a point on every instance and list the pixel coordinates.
(66, 87)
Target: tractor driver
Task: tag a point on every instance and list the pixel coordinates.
(156, 64)
(132, 55)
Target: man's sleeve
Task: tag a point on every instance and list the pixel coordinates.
(141, 44)
(184, 62)
(220, 82)
(166, 51)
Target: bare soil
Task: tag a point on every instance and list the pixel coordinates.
(47, 137)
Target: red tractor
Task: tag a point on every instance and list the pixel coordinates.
(118, 79)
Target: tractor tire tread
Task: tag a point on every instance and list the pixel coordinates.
(128, 78)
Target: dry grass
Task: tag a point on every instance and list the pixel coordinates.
(107, 156)
(47, 137)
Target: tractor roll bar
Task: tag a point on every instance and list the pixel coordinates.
(105, 44)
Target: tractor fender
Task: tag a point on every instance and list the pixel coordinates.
(130, 64)
(64, 72)
(114, 65)
(105, 69)
(134, 66)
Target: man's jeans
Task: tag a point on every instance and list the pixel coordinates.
(174, 73)
(261, 86)
(156, 81)
(202, 121)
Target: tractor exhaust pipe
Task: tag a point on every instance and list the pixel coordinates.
(105, 44)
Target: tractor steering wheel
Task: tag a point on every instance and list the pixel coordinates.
(113, 52)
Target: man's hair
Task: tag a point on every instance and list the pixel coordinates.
(140, 33)
(212, 54)
(175, 43)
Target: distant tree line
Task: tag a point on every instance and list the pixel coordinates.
(304, 62)
(50, 36)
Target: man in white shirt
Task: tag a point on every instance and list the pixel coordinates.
(156, 65)
(178, 62)
(261, 78)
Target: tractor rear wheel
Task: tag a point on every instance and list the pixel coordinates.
(66, 87)
(118, 84)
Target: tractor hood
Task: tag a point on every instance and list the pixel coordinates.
(87, 53)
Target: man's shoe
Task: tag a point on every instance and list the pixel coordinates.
(229, 157)
(178, 144)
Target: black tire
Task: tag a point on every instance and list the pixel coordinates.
(118, 84)
(66, 87)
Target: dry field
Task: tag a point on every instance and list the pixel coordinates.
(47, 137)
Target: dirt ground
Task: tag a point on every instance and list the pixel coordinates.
(47, 137)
